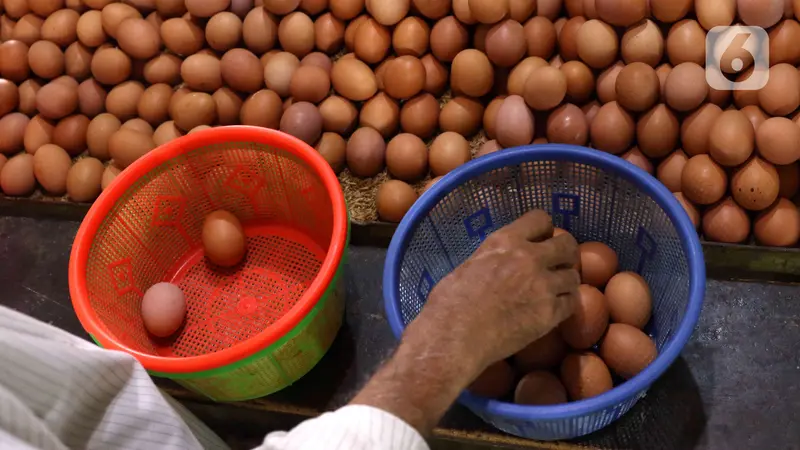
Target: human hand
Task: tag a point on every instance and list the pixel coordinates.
(518, 286)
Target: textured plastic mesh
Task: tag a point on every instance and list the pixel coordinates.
(153, 234)
(594, 206)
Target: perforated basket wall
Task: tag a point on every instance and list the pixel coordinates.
(153, 233)
(595, 202)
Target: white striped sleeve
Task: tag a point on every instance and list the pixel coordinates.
(354, 427)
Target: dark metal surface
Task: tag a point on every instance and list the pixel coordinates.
(734, 387)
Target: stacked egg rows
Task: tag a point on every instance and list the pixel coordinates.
(395, 94)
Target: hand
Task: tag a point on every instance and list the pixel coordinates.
(517, 287)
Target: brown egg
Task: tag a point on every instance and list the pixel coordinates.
(70, 134)
(388, 13)
(123, 99)
(760, 14)
(742, 98)
(61, 27)
(380, 71)
(405, 77)
(333, 148)
(597, 44)
(328, 33)
(153, 18)
(89, 29)
(781, 95)
(98, 133)
(462, 12)
(448, 151)
(585, 375)
(430, 184)
(163, 309)
(696, 128)
(686, 42)
(366, 152)
(621, 13)
(505, 43)
(540, 37)
(259, 30)
(27, 96)
(545, 88)
(139, 125)
(229, 106)
(589, 320)
(567, 124)
(686, 88)
(353, 79)
(38, 132)
(436, 75)
(496, 381)
(372, 41)
(296, 34)
(487, 148)
(670, 169)
(128, 145)
(183, 37)
(755, 185)
(726, 222)
(731, 140)
(206, 8)
(407, 157)
(309, 84)
(346, 9)
(612, 129)
(224, 240)
(420, 116)
(789, 176)
(46, 60)
(643, 43)
(7, 25)
(192, 109)
(394, 199)
(338, 115)
(84, 180)
(111, 66)
(520, 73)
(18, 70)
(381, 113)
(781, 39)
(471, 73)
(318, 59)
(487, 11)
(57, 99)
(755, 115)
(627, 350)
(607, 83)
(281, 7)
(778, 141)
(202, 72)
(514, 124)
(16, 176)
(114, 13)
(164, 68)
(27, 29)
(598, 263)
(78, 61)
(629, 299)
(462, 115)
(279, 71)
(303, 121)
(637, 87)
(9, 97)
(490, 116)
(166, 132)
(153, 104)
(703, 181)
(138, 38)
(568, 38)
(12, 132)
(689, 207)
(51, 164)
(540, 388)
(109, 174)
(670, 10)
(432, 9)
(224, 31)
(351, 29)
(543, 353)
(638, 159)
(778, 225)
(713, 13)
(580, 81)
(657, 132)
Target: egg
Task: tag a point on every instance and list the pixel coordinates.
(781, 95)
(505, 43)
(366, 152)
(139, 125)
(51, 164)
(540, 388)
(372, 41)
(585, 375)
(543, 353)
(545, 88)
(430, 183)
(381, 113)
(686, 87)
(703, 181)
(462, 115)
(407, 157)
(686, 43)
(346, 9)
(420, 115)
(589, 319)
(755, 184)
(38, 132)
(629, 299)
(70, 134)
(598, 263)
(123, 100)
(696, 128)
(223, 238)
(333, 148)
(714, 13)
(520, 73)
(338, 114)
(607, 83)
(405, 77)
(394, 199)
(495, 382)
(597, 44)
(488, 11)
(778, 141)
(568, 38)
(192, 109)
(759, 13)
(264, 109)
(448, 151)
(781, 49)
(487, 148)
(580, 81)
(12, 132)
(669, 170)
(778, 225)
(731, 139)
(471, 73)
(612, 129)
(166, 132)
(27, 29)
(84, 179)
(127, 145)
(111, 66)
(163, 309)
(436, 75)
(689, 208)
(46, 60)
(57, 99)
(627, 350)
(726, 222)
(353, 79)
(318, 59)
(540, 36)
(567, 125)
(98, 133)
(164, 68)
(259, 31)
(18, 70)
(281, 7)
(16, 176)
(328, 33)
(670, 10)
(657, 132)
(309, 84)
(89, 29)
(643, 43)
(78, 61)
(303, 121)
(27, 96)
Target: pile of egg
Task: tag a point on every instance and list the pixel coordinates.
(409, 88)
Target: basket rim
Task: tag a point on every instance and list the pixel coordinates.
(160, 155)
(582, 155)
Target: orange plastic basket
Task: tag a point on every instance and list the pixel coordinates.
(250, 330)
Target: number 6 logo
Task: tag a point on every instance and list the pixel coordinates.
(739, 53)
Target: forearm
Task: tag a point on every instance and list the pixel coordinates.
(424, 377)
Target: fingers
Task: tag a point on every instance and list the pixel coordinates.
(558, 252)
(534, 226)
(565, 281)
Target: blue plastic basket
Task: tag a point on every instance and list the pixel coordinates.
(595, 196)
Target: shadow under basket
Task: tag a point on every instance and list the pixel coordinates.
(250, 330)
